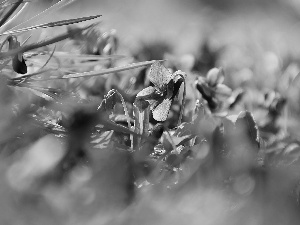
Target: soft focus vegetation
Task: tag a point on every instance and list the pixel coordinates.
(171, 114)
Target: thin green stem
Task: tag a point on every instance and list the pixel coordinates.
(124, 107)
(135, 140)
(183, 101)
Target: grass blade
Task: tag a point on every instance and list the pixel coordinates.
(10, 12)
(47, 11)
(5, 4)
(68, 55)
(39, 91)
(110, 70)
(96, 73)
(51, 24)
(21, 79)
(87, 56)
(48, 60)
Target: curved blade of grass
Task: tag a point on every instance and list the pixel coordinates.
(19, 13)
(5, 4)
(26, 48)
(60, 4)
(48, 60)
(93, 73)
(40, 91)
(86, 56)
(43, 94)
(56, 62)
(68, 55)
(107, 71)
(51, 24)
(15, 16)
(26, 77)
(10, 12)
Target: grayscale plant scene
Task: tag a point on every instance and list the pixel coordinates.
(136, 112)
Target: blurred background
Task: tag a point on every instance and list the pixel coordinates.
(185, 23)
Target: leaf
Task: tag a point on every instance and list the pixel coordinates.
(181, 140)
(218, 143)
(168, 143)
(41, 92)
(229, 126)
(184, 129)
(159, 75)
(102, 141)
(246, 123)
(283, 155)
(174, 160)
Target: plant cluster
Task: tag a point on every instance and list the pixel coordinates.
(89, 135)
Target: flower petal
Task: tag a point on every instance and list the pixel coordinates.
(159, 75)
(160, 113)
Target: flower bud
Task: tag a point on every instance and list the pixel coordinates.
(18, 62)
